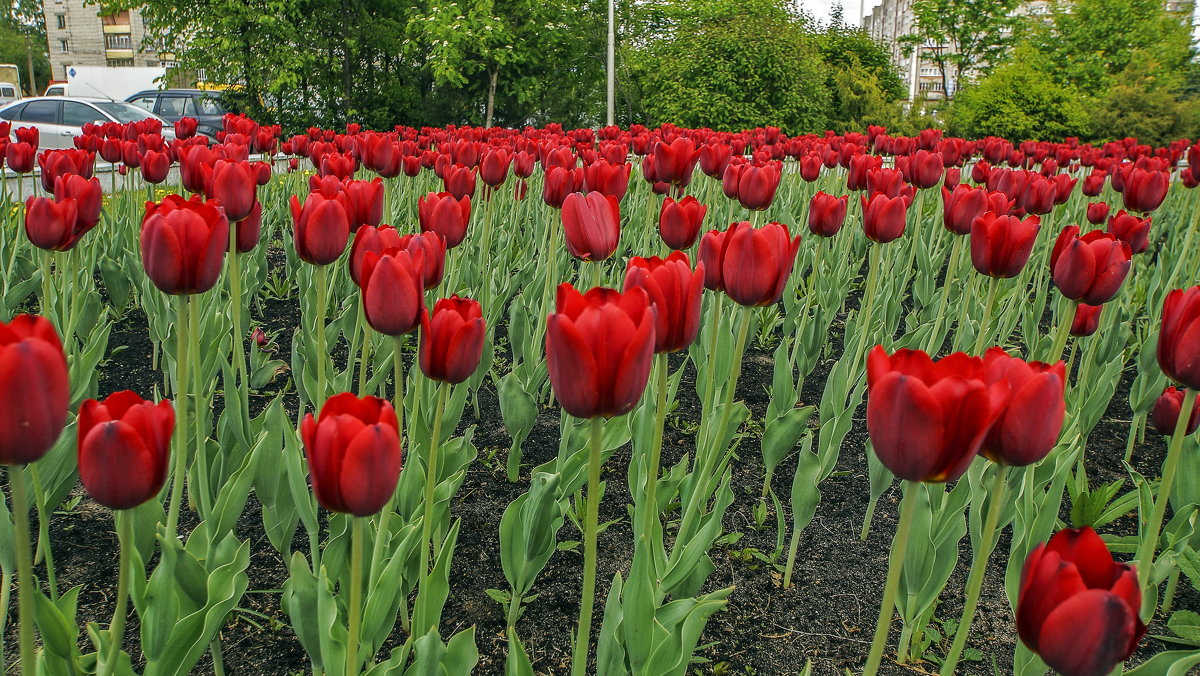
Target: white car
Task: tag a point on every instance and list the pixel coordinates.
(60, 119)
(8, 93)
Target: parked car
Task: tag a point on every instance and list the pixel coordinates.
(60, 119)
(8, 93)
(172, 104)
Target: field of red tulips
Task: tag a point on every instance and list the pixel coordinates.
(644, 402)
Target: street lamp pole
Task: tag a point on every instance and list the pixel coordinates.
(612, 74)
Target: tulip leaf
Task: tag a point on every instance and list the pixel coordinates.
(1170, 663)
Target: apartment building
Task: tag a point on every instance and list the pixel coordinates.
(894, 18)
(79, 36)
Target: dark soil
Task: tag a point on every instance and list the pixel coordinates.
(827, 616)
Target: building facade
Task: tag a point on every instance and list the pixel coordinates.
(79, 36)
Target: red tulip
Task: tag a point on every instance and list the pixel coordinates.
(353, 453)
(1145, 190)
(1077, 608)
(183, 244)
(756, 262)
(714, 157)
(927, 420)
(365, 199)
(810, 167)
(1032, 416)
(446, 215)
(1086, 320)
(962, 206)
(459, 181)
(393, 290)
(610, 179)
(556, 185)
(592, 224)
(599, 348)
(321, 227)
(249, 230)
(1001, 245)
(1089, 269)
(192, 163)
(432, 250)
(884, 217)
(235, 185)
(33, 381)
(493, 168)
(890, 182)
(124, 447)
(1097, 212)
(185, 127)
(1093, 183)
(451, 339)
(753, 186)
(371, 238)
(1165, 414)
(826, 214)
(925, 169)
(679, 222)
(155, 166)
(1130, 229)
(51, 225)
(1179, 337)
(88, 195)
(860, 166)
(675, 292)
(675, 162)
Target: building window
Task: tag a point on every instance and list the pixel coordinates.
(117, 42)
(120, 63)
(64, 47)
(118, 19)
(62, 21)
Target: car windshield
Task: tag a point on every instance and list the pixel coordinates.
(123, 112)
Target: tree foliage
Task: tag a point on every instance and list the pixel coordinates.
(962, 35)
(1017, 101)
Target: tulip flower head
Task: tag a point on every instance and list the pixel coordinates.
(884, 217)
(675, 292)
(183, 244)
(599, 349)
(124, 445)
(1167, 407)
(1089, 269)
(451, 339)
(1033, 412)
(321, 227)
(353, 452)
(1077, 607)
(679, 222)
(928, 419)
(33, 380)
(393, 290)
(1086, 320)
(826, 214)
(1179, 337)
(1001, 245)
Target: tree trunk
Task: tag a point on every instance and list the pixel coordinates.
(29, 62)
(493, 74)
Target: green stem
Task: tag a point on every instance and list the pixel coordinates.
(238, 348)
(711, 356)
(739, 348)
(978, 568)
(988, 308)
(660, 418)
(116, 629)
(322, 302)
(864, 319)
(203, 493)
(951, 270)
(895, 564)
(365, 355)
(1133, 429)
(179, 462)
(1063, 332)
(431, 477)
(47, 272)
(1169, 594)
(549, 262)
(579, 656)
(1145, 551)
(25, 616)
(43, 544)
(399, 377)
(5, 604)
(355, 609)
(218, 661)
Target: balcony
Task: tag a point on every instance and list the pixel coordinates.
(117, 29)
(115, 54)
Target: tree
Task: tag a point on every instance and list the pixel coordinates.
(730, 64)
(23, 42)
(1017, 101)
(862, 81)
(961, 36)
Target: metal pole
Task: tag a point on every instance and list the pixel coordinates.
(612, 72)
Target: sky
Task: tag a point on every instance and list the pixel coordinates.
(821, 8)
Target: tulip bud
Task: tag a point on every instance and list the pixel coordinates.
(826, 214)
(592, 224)
(365, 202)
(756, 262)
(679, 222)
(451, 342)
(1086, 320)
(393, 291)
(884, 217)
(1078, 608)
(961, 206)
(1165, 414)
(1097, 212)
(50, 225)
(1033, 410)
(1001, 245)
(1089, 269)
(321, 228)
(675, 162)
(183, 244)
(1130, 229)
(446, 215)
(1178, 349)
(124, 445)
(753, 186)
(34, 387)
(1145, 190)
(185, 127)
(675, 292)
(599, 348)
(353, 452)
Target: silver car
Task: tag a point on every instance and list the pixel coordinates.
(60, 119)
